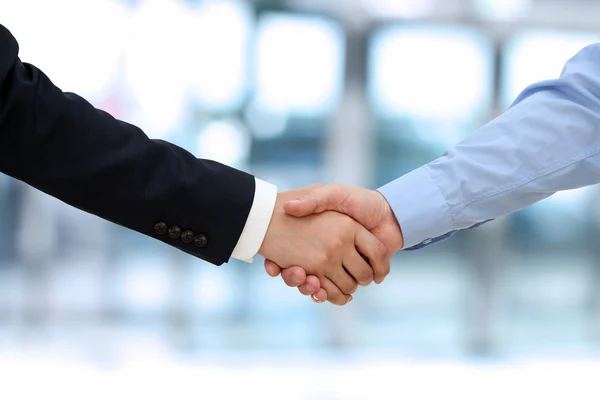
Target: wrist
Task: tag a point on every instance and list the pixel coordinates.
(277, 209)
(267, 239)
(396, 238)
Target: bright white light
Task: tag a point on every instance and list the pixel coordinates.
(503, 9)
(331, 378)
(299, 64)
(224, 141)
(538, 56)
(426, 72)
(217, 60)
(574, 201)
(69, 40)
(146, 287)
(212, 290)
(569, 196)
(398, 8)
(158, 83)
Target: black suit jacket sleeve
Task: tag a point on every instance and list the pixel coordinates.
(60, 144)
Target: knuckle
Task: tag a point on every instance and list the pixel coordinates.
(381, 251)
(365, 276)
(337, 244)
(333, 297)
(387, 268)
(338, 299)
(381, 260)
(350, 288)
(325, 259)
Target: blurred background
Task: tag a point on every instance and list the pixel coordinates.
(297, 92)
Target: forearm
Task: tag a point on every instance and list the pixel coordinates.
(546, 142)
(60, 144)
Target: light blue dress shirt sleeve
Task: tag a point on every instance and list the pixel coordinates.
(547, 141)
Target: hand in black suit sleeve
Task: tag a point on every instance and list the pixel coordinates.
(60, 144)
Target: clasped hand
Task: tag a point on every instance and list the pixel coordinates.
(329, 239)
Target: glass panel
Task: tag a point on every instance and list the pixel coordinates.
(429, 86)
(299, 64)
(299, 78)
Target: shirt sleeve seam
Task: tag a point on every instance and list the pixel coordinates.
(525, 181)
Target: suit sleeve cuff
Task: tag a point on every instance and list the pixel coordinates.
(257, 223)
(419, 206)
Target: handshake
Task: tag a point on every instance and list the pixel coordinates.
(328, 239)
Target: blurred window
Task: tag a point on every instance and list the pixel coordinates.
(299, 63)
(429, 72)
(219, 51)
(429, 87)
(535, 56)
(70, 42)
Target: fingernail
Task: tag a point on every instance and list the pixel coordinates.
(296, 280)
(310, 287)
(312, 296)
(349, 300)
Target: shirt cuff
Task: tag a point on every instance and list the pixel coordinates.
(419, 206)
(257, 223)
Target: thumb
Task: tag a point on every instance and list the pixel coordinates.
(326, 198)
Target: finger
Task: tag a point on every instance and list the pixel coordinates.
(334, 295)
(358, 268)
(293, 276)
(311, 286)
(322, 199)
(342, 279)
(272, 268)
(320, 296)
(374, 251)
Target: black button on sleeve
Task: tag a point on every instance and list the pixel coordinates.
(174, 232)
(187, 237)
(160, 228)
(200, 241)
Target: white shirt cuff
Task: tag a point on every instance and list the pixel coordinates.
(257, 223)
